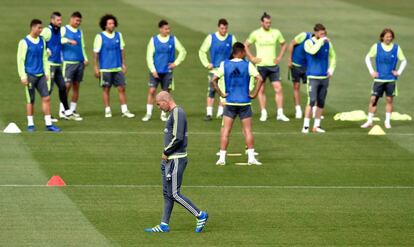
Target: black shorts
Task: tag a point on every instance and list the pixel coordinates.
(38, 83)
(109, 79)
(378, 89)
(164, 79)
(298, 74)
(271, 72)
(73, 72)
(244, 111)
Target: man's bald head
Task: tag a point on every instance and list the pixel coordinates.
(164, 96)
(164, 101)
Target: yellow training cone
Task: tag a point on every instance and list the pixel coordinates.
(376, 131)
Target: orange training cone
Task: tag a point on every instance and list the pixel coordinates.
(56, 181)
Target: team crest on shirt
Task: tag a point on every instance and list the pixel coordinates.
(170, 46)
(117, 41)
(165, 130)
(227, 45)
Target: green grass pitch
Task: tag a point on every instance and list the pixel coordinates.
(344, 188)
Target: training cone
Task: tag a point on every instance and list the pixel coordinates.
(56, 181)
(12, 128)
(376, 131)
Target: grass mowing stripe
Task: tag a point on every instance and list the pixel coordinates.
(32, 218)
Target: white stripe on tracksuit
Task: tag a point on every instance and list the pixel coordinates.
(175, 190)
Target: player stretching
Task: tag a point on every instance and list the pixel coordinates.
(321, 65)
(386, 55)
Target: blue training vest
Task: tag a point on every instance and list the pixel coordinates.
(70, 52)
(164, 54)
(34, 57)
(317, 64)
(299, 53)
(55, 46)
(220, 50)
(386, 62)
(237, 80)
(110, 53)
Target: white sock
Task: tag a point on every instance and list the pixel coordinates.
(149, 109)
(209, 111)
(107, 109)
(48, 120)
(30, 121)
(250, 154)
(61, 108)
(280, 111)
(306, 122)
(298, 109)
(264, 112)
(73, 106)
(317, 123)
(220, 110)
(222, 154)
(124, 108)
(370, 117)
(163, 223)
(388, 117)
(314, 108)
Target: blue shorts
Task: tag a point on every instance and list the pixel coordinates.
(164, 79)
(298, 74)
(38, 83)
(73, 72)
(244, 111)
(116, 79)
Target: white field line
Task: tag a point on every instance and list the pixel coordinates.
(141, 186)
(116, 132)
